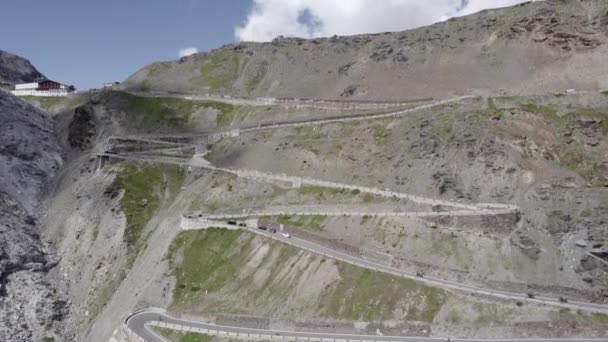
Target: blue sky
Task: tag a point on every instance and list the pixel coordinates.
(88, 42)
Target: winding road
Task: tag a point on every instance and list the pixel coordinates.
(140, 326)
(430, 281)
(139, 323)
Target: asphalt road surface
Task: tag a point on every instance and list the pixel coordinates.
(355, 260)
(139, 323)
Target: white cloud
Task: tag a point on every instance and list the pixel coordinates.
(187, 51)
(323, 18)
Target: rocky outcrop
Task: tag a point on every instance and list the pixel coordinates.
(15, 69)
(82, 128)
(30, 306)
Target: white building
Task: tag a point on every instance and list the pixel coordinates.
(43, 88)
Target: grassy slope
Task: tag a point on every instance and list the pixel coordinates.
(209, 265)
(223, 272)
(146, 189)
(52, 103)
(571, 156)
(175, 112)
(176, 336)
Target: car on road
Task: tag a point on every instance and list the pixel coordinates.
(531, 295)
(242, 224)
(262, 228)
(272, 230)
(286, 235)
(419, 274)
(232, 223)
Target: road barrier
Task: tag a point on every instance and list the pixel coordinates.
(480, 209)
(283, 335)
(430, 281)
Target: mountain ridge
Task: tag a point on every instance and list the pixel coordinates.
(16, 69)
(531, 48)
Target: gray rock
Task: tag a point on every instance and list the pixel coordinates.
(29, 157)
(15, 69)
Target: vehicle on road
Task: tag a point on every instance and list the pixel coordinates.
(242, 224)
(262, 228)
(272, 230)
(419, 274)
(232, 223)
(563, 300)
(286, 235)
(531, 295)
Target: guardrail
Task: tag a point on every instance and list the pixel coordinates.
(265, 176)
(431, 281)
(240, 333)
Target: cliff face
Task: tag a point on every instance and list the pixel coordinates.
(29, 157)
(532, 48)
(15, 69)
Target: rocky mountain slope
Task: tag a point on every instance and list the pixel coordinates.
(533, 48)
(117, 228)
(15, 69)
(122, 248)
(31, 307)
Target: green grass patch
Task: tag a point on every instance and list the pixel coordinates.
(219, 70)
(365, 219)
(489, 315)
(178, 336)
(600, 318)
(209, 269)
(315, 223)
(362, 294)
(368, 198)
(47, 103)
(175, 155)
(575, 159)
(380, 134)
(556, 213)
(551, 113)
(320, 191)
(455, 317)
(326, 193)
(213, 207)
(159, 69)
(491, 105)
(573, 156)
(145, 187)
(173, 112)
(226, 116)
(205, 265)
(253, 82)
